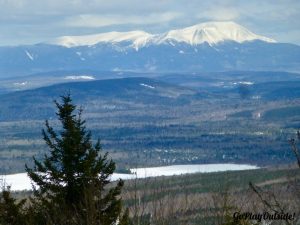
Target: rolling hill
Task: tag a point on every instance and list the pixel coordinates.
(157, 122)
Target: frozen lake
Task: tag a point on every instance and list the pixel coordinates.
(20, 181)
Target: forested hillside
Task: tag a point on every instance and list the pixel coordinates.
(227, 118)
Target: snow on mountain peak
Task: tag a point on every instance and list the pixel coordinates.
(137, 38)
(213, 33)
(210, 32)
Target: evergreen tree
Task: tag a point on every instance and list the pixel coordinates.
(72, 179)
(11, 211)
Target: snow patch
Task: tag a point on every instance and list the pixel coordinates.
(21, 83)
(244, 83)
(188, 169)
(21, 181)
(83, 77)
(17, 182)
(80, 56)
(29, 55)
(256, 97)
(146, 85)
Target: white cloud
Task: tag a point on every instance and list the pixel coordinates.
(220, 14)
(92, 20)
(25, 21)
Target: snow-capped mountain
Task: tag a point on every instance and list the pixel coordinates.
(136, 38)
(211, 33)
(212, 46)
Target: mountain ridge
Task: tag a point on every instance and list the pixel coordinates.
(200, 48)
(210, 32)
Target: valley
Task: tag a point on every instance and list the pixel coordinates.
(167, 119)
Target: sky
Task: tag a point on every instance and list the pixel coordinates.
(35, 21)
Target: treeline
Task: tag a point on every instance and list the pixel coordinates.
(212, 199)
(153, 145)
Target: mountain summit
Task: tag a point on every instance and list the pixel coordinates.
(213, 46)
(136, 38)
(211, 33)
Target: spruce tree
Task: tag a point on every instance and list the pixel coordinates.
(11, 211)
(72, 179)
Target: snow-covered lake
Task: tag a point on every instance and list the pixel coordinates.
(21, 181)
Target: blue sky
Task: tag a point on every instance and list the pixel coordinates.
(33, 21)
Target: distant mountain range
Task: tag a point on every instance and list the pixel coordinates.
(211, 33)
(213, 46)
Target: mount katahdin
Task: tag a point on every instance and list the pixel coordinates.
(212, 46)
(211, 33)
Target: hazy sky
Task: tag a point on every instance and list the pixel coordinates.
(33, 21)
